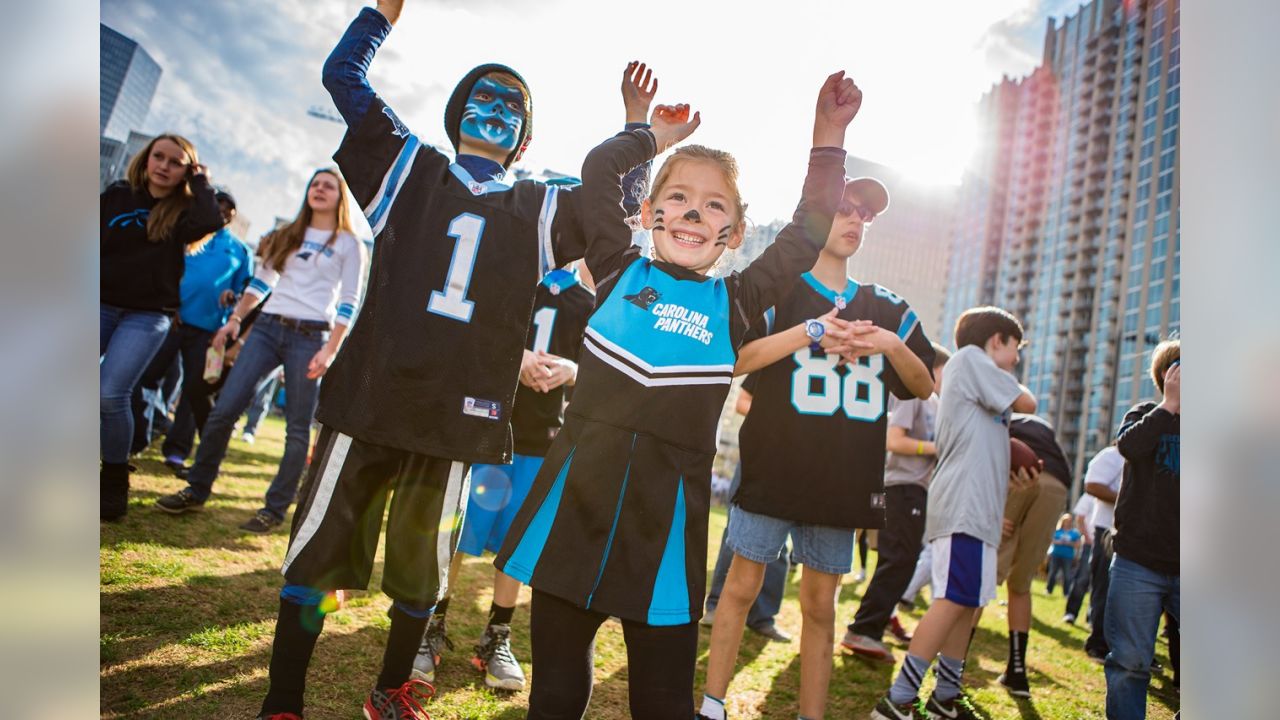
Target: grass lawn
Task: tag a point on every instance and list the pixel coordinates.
(189, 604)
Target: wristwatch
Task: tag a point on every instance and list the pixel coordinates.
(814, 329)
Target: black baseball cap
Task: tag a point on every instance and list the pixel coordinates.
(224, 196)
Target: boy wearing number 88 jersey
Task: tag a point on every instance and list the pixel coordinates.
(813, 447)
(425, 383)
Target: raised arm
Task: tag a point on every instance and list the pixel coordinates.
(568, 240)
(202, 216)
(796, 248)
(607, 234)
(346, 69)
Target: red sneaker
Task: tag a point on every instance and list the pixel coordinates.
(897, 631)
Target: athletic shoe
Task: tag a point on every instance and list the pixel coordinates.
(866, 647)
(247, 438)
(494, 658)
(906, 605)
(1016, 684)
(887, 710)
(861, 577)
(1096, 655)
(177, 464)
(1069, 618)
(402, 703)
(898, 632)
(959, 707)
(773, 632)
(434, 641)
(708, 618)
(180, 502)
(261, 523)
(280, 716)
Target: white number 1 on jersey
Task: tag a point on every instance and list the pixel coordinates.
(544, 320)
(453, 302)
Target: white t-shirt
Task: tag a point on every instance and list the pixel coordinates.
(322, 281)
(1084, 509)
(1106, 468)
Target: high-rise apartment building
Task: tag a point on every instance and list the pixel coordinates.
(127, 81)
(906, 248)
(1083, 181)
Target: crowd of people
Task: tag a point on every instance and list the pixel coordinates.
(526, 380)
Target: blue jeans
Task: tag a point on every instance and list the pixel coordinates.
(127, 340)
(262, 396)
(1136, 598)
(1059, 567)
(1079, 581)
(769, 601)
(270, 345)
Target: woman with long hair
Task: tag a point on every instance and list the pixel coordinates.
(164, 204)
(313, 268)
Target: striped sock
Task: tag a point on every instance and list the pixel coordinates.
(907, 687)
(712, 708)
(949, 671)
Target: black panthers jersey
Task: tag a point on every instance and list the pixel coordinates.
(813, 443)
(432, 361)
(560, 313)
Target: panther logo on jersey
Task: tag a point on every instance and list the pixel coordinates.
(400, 130)
(643, 299)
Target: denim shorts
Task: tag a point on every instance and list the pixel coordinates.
(760, 538)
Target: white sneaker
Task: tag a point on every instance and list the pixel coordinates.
(247, 438)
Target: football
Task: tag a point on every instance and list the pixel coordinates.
(1021, 455)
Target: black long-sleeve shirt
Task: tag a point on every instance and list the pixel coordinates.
(139, 274)
(1147, 525)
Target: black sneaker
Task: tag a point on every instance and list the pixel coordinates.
(959, 707)
(180, 502)
(1015, 683)
(1096, 655)
(261, 523)
(887, 710)
(402, 703)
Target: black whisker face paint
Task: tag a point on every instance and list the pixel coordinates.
(722, 238)
(657, 220)
(693, 216)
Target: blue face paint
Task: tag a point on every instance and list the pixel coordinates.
(493, 114)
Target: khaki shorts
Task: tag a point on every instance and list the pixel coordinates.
(1034, 512)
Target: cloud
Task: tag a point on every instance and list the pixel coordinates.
(239, 77)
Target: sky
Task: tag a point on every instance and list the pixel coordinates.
(239, 76)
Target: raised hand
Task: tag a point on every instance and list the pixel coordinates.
(638, 88)
(671, 124)
(390, 9)
(838, 102)
(1173, 388)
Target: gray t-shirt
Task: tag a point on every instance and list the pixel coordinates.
(969, 487)
(917, 417)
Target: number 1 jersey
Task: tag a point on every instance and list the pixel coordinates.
(812, 446)
(431, 363)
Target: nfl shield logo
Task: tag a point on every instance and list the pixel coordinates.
(555, 289)
(476, 188)
(840, 302)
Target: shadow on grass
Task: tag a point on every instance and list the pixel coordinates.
(342, 670)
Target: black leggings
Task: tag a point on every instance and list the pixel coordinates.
(660, 663)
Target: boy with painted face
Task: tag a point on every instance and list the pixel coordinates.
(424, 384)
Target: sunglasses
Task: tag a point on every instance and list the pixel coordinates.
(847, 208)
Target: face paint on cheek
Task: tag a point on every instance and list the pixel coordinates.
(658, 220)
(722, 238)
